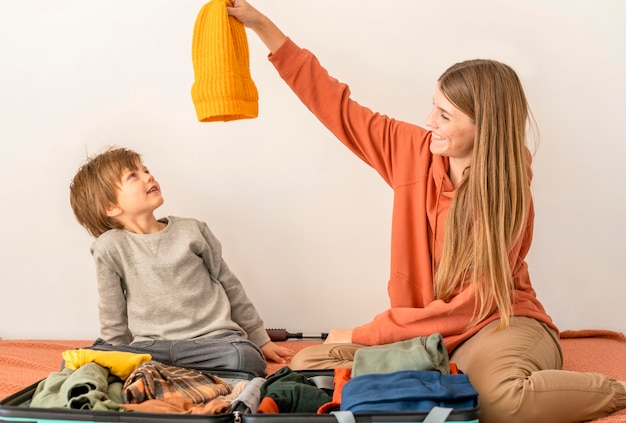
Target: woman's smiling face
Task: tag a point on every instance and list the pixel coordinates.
(453, 131)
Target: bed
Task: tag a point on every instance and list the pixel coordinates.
(23, 362)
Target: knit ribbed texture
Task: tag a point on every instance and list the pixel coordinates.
(223, 89)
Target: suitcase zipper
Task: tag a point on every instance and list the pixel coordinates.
(237, 417)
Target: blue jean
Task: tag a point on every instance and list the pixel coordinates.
(226, 351)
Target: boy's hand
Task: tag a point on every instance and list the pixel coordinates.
(276, 353)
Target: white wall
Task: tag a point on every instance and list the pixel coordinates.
(304, 224)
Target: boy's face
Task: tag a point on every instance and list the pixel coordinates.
(137, 194)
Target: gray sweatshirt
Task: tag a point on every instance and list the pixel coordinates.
(170, 285)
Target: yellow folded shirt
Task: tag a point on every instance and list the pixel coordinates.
(119, 363)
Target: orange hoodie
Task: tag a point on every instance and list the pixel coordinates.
(399, 152)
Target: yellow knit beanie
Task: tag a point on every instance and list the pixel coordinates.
(223, 89)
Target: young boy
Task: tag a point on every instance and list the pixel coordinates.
(164, 288)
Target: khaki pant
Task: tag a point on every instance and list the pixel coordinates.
(516, 371)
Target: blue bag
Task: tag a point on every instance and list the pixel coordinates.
(408, 390)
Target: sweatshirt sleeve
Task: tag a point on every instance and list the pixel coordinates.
(242, 310)
(112, 310)
(371, 136)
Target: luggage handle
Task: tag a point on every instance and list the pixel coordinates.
(343, 416)
(435, 415)
(438, 415)
(281, 334)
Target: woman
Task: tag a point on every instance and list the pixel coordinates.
(462, 226)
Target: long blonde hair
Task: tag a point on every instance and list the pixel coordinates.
(489, 211)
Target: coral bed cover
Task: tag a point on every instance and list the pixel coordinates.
(23, 362)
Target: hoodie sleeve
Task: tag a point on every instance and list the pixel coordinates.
(373, 137)
(450, 319)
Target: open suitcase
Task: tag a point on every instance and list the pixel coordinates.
(16, 408)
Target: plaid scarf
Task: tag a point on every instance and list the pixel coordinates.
(153, 380)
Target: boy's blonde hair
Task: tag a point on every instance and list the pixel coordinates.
(94, 188)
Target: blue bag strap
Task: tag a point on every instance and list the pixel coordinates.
(343, 416)
(438, 415)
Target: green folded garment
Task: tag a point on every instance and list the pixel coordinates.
(421, 353)
(293, 392)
